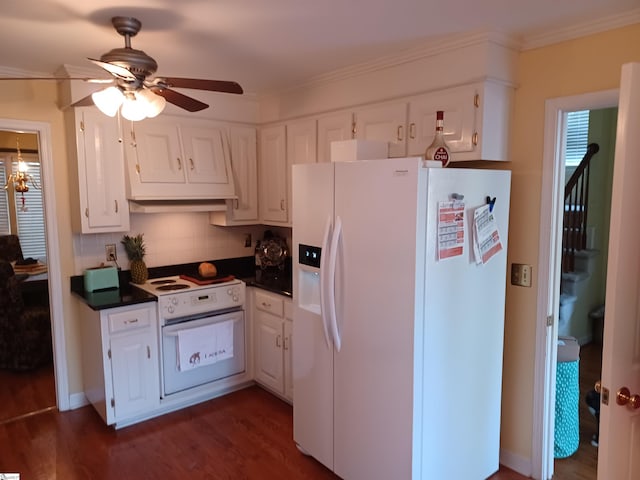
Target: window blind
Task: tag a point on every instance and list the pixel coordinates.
(5, 225)
(577, 137)
(31, 221)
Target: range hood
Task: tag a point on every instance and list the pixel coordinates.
(177, 206)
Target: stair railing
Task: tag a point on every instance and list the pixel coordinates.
(576, 200)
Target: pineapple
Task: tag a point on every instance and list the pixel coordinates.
(135, 248)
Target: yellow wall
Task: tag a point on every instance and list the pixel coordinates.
(36, 101)
(569, 68)
(580, 66)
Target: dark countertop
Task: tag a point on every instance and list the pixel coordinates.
(113, 297)
(272, 279)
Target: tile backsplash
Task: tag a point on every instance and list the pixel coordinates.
(170, 239)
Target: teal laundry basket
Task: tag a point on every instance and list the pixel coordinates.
(567, 423)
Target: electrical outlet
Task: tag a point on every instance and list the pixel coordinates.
(521, 274)
(247, 239)
(110, 249)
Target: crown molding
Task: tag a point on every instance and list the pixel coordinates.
(433, 48)
(581, 29)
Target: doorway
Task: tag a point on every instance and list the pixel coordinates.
(22, 215)
(43, 132)
(552, 213)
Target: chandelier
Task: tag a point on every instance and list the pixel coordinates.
(20, 179)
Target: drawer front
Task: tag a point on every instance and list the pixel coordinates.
(129, 320)
(269, 303)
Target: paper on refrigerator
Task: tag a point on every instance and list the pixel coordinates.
(486, 238)
(450, 229)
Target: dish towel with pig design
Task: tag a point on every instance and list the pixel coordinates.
(200, 346)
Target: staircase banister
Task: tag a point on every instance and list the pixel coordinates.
(592, 149)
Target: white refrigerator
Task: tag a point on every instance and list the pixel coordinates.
(398, 329)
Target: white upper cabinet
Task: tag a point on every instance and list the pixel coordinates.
(302, 141)
(385, 122)
(101, 202)
(175, 158)
(272, 173)
(244, 165)
(476, 120)
(336, 126)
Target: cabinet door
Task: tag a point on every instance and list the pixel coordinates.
(205, 155)
(459, 106)
(273, 175)
(288, 358)
(268, 344)
(302, 142)
(245, 173)
(385, 122)
(134, 365)
(158, 153)
(103, 202)
(338, 126)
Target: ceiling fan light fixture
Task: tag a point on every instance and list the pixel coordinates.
(153, 104)
(108, 100)
(133, 109)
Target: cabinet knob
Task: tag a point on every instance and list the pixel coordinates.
(282, 205)
(412, 130)
(192, 164)
(399, 133)
(116, 205)
(179, 163)
(278, 341)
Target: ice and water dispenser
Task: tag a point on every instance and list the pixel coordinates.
(309, 278)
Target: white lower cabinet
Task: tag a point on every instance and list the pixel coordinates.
(121, 370)
(272, 343)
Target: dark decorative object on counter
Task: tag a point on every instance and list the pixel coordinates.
(272, 251)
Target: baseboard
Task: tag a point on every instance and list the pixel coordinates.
(77, 400)
(516, 462)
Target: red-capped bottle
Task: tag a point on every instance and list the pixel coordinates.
(438, 150)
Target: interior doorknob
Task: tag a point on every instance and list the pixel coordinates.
(624, 397)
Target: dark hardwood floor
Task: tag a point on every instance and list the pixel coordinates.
(583, 464)
(23, 393)
(243, 435)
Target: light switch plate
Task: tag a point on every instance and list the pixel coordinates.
(521, 274)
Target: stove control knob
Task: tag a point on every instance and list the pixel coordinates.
(229, 291)
(235, 298)
(170, 309)
(174, 301)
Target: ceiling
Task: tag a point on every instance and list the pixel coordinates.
(269, 45)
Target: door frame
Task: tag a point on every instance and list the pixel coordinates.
(549, 263)
(43, 131)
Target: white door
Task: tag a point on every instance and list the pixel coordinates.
(272, 173)
(331, 128)
(387, 123)
(619, 451)
(206, 160)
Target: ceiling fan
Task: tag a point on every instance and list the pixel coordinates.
(133, 92)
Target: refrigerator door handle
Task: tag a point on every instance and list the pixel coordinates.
(331, 284)
(323, 280)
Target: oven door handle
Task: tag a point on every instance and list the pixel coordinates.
(172, 330)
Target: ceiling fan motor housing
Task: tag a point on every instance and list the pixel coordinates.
(136, 61)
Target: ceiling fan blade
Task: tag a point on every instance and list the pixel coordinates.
(115, 70)
(198, 84)
(180, 100)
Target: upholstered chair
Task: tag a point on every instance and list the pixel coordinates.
(10, 249)
(25, 331)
